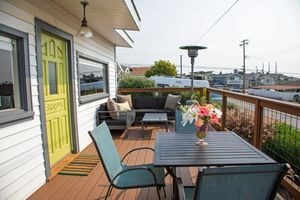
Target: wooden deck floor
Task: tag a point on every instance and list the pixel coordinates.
(95, 185)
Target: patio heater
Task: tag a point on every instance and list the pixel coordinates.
(192, 53)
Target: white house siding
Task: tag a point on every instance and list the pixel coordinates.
(86, 113)
(22, 169)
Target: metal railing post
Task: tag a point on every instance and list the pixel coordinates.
(207, 95)
(258, 116)
(224, 110)
(201, 91)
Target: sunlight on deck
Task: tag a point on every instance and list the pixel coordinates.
(95, 185)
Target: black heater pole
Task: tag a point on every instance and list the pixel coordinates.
(180, 66)
(192, 73)
(192, 53)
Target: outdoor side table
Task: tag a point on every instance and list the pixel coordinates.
(154, 118)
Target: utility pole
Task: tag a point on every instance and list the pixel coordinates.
(244, 43)
(180, 66)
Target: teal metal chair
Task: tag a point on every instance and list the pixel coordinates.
(259, 182)
(120, 175)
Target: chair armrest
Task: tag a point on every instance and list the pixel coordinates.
(181, 194)
(104, 111)
(141, 148)
(135, 168)
(103, 117)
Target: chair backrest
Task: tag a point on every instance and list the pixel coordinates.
(107, 151)
(259, 182)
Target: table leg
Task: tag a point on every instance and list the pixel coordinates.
(167, 126)
(172, 172)
(143, 129)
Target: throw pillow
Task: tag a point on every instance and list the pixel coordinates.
(124, 98)
(112, 106)
(171, 102)
(124, 106)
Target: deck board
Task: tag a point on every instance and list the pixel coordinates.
(95, 185)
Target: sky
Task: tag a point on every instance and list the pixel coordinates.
(272, 27)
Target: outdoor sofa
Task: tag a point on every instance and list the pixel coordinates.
(140, 106)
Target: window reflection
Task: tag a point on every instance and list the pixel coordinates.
(9, 77)
(92, 77)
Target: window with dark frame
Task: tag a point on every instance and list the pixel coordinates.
(92, 79)
(9, 79)
(15, 98)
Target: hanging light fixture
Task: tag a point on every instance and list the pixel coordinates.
(84, 30)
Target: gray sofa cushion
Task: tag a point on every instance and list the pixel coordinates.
(130, 117)
(172, 101)
(112, 106)
(141, 112)
(161, 100)
(124, 98)
(145, 102)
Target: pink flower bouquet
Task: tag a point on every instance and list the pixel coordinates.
(200, 114)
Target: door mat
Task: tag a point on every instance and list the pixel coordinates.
(82, 165)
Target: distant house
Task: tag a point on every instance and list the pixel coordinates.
(139, 71)
(292, 83)
(121, 70)
(273, 79)
(203, 75)
(251, 79)
(231, 81)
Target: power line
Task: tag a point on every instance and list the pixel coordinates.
(212, 26)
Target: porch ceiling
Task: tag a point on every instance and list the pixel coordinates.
(106, 17)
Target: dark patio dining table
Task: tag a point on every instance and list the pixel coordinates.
(225, 148)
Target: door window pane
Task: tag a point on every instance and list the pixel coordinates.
(52, 77)
(9, 75)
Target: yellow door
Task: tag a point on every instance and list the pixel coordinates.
(56, 96)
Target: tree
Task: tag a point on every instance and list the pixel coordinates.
(162, 68)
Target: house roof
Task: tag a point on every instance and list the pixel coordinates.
(138, 71)
(203, 72)
(226, 75)
(276, 76)
(277, 87)
(294, 83)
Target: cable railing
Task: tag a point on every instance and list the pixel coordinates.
(270, 125)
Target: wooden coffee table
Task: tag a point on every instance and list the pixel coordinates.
(154, 118)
